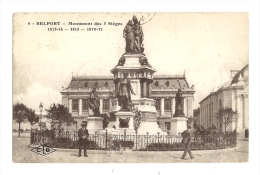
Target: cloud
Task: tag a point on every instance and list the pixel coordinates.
(37, 93)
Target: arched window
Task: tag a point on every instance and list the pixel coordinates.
(86, 84)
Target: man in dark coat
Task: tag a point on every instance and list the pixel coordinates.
(83, 135)
(187, 136)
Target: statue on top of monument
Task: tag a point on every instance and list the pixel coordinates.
(133, 35)
(124, 93)
(179, 105)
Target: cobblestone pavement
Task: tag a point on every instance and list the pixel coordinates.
(22, 153)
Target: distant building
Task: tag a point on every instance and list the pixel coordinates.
(232, 94)
(163, 90)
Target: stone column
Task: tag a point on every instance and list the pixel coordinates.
(101, 105)
(116, 88)
(162, 107)
(185, 106)
(239, 109)
(70, 105)
(148, 89)
(110, 104)
(144, 88)
(80, 106)
(173, 106)
(246, 111)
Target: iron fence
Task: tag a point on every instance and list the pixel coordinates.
(135, 142)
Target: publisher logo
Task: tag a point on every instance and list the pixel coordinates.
(43, 150)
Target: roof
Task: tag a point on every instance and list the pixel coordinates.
(243, 73)
(106, 82)
(212, 93)
(240, 75)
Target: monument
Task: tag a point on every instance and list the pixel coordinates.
(132, 78)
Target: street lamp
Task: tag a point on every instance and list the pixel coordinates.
(41, 106)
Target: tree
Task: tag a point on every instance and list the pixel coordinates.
(32, 117)
(58, 113)
(20, 114)
(225, 116)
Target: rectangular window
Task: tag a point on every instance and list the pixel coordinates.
(167, 104)
(75, 105)
(167, 126)
(84, 105)
(157, 104)
(105, 105)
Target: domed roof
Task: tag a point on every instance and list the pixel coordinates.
(243, 73)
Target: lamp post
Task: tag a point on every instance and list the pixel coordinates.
(41, 106)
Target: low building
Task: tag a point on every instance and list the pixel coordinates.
(163, 91)
(232, 94)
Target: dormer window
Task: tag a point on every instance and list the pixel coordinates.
(167, 83)
(106, 84)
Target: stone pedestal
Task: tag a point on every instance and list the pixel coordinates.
(178, 125)
(140, 74)
(94, 124)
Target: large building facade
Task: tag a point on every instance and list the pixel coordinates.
(162, 89)
(232, 94)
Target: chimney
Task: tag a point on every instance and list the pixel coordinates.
(233, 73)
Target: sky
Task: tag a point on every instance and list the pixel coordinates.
(204, 45)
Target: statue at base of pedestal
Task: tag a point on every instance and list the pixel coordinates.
(93, 102)
(179, 105)
(124, 94)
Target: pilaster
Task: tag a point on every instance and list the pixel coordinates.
(173, 106)
(80, 106)
(70, 105)
(101, 106)
(162, 107)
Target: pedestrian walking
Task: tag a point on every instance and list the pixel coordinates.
(83, 136)
(187, 141)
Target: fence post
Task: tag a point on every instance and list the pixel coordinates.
(95, 138)
(106, 139)
(124, 138)
(147, 141)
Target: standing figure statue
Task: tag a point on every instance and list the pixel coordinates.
(94, 102)
(139, 36)
(128, 34)
(124, 93)
(179, 105)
